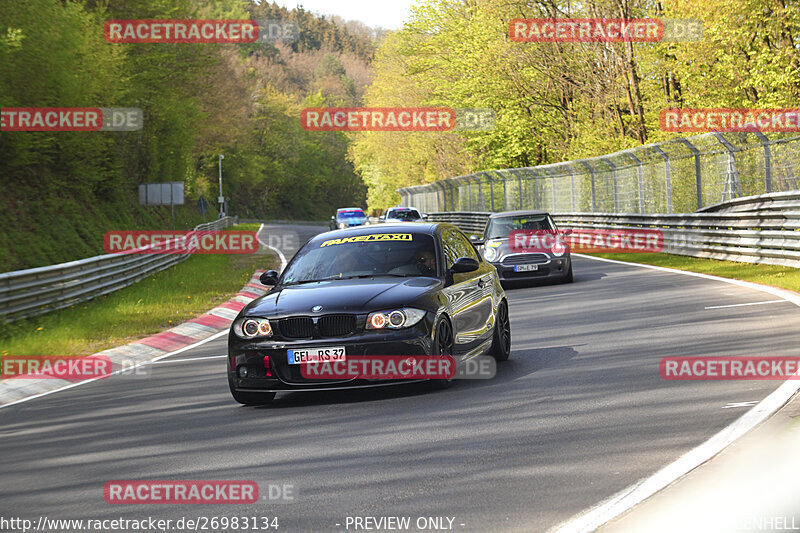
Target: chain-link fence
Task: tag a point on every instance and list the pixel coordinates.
(677, 176)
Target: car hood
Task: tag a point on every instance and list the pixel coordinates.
(343, 296)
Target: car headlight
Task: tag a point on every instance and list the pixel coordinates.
(394, 319)
(342, 225)
(490, 250)
(250, 328)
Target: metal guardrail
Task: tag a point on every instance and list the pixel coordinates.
(758, 229)
(679, 175)
(36, 291)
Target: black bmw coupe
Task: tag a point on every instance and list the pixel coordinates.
(387, 290)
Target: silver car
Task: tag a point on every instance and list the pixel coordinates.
(403, 214)
(519, 262)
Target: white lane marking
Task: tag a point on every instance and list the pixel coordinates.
(744, 305)
(127, 369)
(189, 359)
(280, 254)
(733, 405)
(631, 496)
(154, 360)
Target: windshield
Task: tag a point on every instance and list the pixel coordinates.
(501, 227)
(351, 214)
(404, 214)
(392, 254)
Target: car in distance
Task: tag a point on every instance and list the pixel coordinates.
(380, 290)
(549, 260)
(402, 214)
(348, 217)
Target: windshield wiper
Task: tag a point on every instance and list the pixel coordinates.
(361, 276)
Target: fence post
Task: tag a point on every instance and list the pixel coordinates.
(667, 176)
(505, 190)
(697, 175)
(572, 187)
(491, 189)
(767, 160)
(639, 180)
(732, 184)
(552, 188)
(591, 177)
(613, 181)
(519, 186)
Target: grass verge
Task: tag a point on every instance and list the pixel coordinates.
(154, 304)
(777, 276)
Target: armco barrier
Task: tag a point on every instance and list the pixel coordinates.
(757, 229)
(35, 291)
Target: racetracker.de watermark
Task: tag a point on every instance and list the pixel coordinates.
(729, 368)
(585, 240)
(180, 242)
(66, 367)
(397, 119)
(70, 119)
(398, 367)
(181, 31)
(733, 120)
(604, 30)
(271, 30)
(193, 492)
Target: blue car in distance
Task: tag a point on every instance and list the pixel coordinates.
(348, 217)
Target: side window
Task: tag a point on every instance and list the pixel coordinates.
(465, 247)
(457, 245)
(450, 247)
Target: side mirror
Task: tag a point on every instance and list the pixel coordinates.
(270, 277)
(464, 264)
(381, 218)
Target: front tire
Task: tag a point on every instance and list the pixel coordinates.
(442, 345)
(568, 275)
(501, 340)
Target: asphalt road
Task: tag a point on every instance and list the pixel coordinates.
(577, 414)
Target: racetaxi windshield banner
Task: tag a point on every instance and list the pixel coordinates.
(369, 238)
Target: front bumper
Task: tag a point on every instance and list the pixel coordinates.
(553, 268)
(416, 340)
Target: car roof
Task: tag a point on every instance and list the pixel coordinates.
(417, 228)
(518, 213)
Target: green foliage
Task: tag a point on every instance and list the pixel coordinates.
(64, 190)
(562, 101)
(158, 302)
